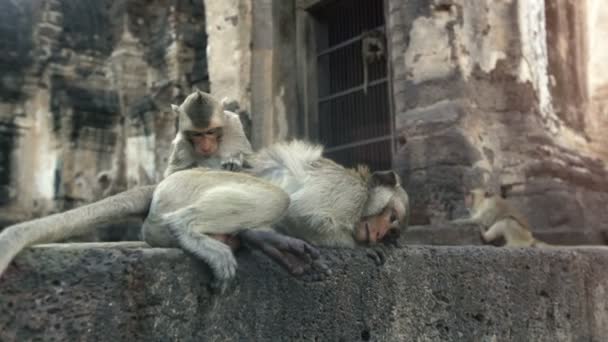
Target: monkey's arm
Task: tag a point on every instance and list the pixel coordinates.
(235, 146)
(182, 155)
(295, 255)
(73, 222)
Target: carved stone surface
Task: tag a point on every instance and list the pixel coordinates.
(85, 89)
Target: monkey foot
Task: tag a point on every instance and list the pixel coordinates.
(295, 255)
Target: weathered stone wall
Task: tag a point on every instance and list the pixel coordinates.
(506, 94)
(252, 48)
(494, 93)
(85, 89)
(129, 293)
(596, 119)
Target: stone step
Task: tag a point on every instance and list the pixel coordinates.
(452, 235)
(126, 292)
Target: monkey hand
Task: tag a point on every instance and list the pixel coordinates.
(295, 255)
(234, 164)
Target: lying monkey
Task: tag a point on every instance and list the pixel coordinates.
(290, 188)
(498, 219)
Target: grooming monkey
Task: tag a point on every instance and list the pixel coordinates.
(497, 218)
(207, 136)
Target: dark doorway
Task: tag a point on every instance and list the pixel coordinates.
(354, 117)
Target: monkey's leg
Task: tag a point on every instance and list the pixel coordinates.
(216, 254)
(225, 209)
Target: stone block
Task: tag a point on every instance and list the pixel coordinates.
(421, 293)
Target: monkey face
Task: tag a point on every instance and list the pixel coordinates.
(373, 229)
(385, 211)
(201, 119)
(206, 142)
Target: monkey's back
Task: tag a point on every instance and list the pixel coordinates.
(192, 184)
(206, 191)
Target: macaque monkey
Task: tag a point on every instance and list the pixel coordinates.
(207, 136)
(498, 219)
(373, 49)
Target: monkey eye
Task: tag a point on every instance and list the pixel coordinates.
(211, 132)
(393, 217)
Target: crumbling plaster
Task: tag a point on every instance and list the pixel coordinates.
(495, 93)
(251, 51)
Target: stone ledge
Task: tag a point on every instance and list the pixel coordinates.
(446, 234)
(125, 292)
(442, 234)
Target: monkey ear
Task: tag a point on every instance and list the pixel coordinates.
(385, 178)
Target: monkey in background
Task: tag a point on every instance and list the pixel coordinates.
(207, 136)
(498, 219)
(373, 50)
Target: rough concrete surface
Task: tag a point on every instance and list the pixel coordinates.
(444, 234)
(123, 292)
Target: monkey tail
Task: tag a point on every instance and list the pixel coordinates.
(73, 222)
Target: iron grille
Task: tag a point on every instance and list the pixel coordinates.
(354, 120)
(8, 133)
